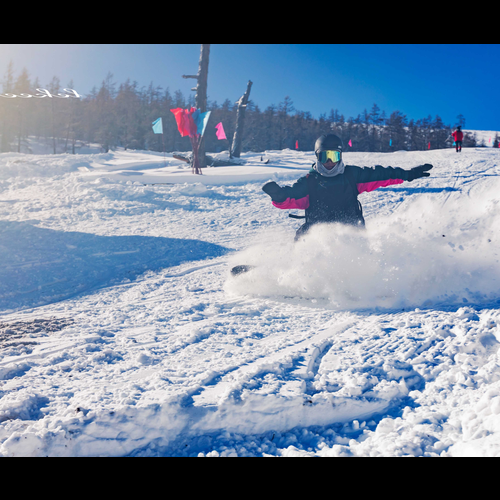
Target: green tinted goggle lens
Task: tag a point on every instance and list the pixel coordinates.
(324, 156)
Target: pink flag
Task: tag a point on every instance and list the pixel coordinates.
(220, 131)
(296, 144)
(350, 143)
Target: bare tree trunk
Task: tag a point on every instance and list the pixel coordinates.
(235, 150)
(201, 94)
(195, 162)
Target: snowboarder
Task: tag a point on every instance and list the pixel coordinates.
(329, 192)
(458, 136)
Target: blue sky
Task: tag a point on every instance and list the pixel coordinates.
(418, 80)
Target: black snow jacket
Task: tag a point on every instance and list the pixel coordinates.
(335, 199)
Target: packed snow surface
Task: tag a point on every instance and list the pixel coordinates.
(122, 332)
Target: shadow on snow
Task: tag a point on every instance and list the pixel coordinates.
(413, 190)
(40, 266)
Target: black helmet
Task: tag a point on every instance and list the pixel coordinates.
(328, 141)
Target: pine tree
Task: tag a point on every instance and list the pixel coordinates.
(7, 109)
(460, 121)
(439, 133)
(130, 110)
(396, 128)
(54, 87)
(22, 108)
(284, 108)
(106, 131)
(73, 111)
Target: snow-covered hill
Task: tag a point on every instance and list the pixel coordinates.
(484, 137)
(123, 334)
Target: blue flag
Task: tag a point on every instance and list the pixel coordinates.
(204, 120)
(158, 126)
(201, 120)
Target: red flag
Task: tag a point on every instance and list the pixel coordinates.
(296, 144)
(429, 146)
(185, 122)
(187, 127)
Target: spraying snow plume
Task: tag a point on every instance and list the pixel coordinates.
(425, 253)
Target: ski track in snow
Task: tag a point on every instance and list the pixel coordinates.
(123, 334)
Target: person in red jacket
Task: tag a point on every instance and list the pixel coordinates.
(458, 137)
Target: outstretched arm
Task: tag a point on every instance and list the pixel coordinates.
(369, 179)
(288, 197)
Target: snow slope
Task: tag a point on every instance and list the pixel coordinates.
(484, 137)
(123, 334)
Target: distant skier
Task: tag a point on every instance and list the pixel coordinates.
(458, 136)
(329, 192)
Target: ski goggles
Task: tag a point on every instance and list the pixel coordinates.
(324, 156)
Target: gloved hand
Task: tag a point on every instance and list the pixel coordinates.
(418, 172)
(273, 190)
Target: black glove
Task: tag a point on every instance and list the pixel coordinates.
(420, 171)
(273, 190)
